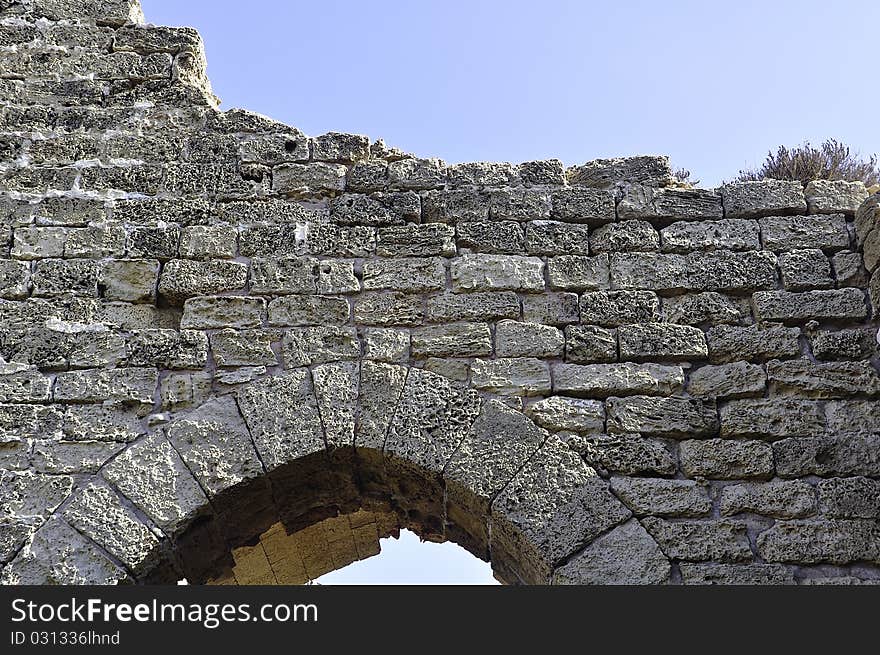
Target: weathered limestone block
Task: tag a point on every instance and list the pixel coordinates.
(181, 390)
(132, 280)
(211, 312)
(386, 344)
(602, 380)
(100, 423)
(722, 459)
(480, 272)
(123, 385)
(613, 308)
(38, 242)
(583, 205)
(551, 308)
(578, 273)
(556, 238)
(98, 513)
(544, 172)
(518, 339)
(410, 275)
(281, 413)
(715, 271)
(336, 276)
(857, 343)
(590, 344)
(104, 12)
(804, 270)
(426, 240)
(627, 555)
(497, 237)
(837, 541)
(763, 198)
(798, 232)
(378, 209)
(779, 499)
(52, 277)
(21, 383)
(553, 507)
(824, 380)
(773, 418)
(867, 217)
(834, 454)
(659, 497)
(454, 369)
(455, 206)
(673, 417)
(57, 457)
(207, 241)
(661, 342)
(834, 196)
(390, 308)
(626, 236)
(154, 241)
(233, 348)
(625, 454)
(849, 269)
(284, 275)
(336, 390)
(182, 278)
(729, 234)
(381, 386)
(833, 304)
(299, 179)
(29, 494)
(520, 204)
(319, 344)
(709, 308)
(735, 574)
(152, 476)
(481, 173)
(576, 414)
(14, 279)
(167, 348)
(520, 376)
(610, 173)
(653, 203)
(728, 343)
(338, 146)
(58, 554)
(455, 340)
(735, 380)
(851, 498)
(417, 174)
(701, 541)
(309, 310)
(480, 306)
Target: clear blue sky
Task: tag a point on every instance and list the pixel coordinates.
(712, 84)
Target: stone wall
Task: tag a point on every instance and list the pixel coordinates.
(211, 323)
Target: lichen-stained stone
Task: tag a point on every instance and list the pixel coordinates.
(122, 385)
(511, 376)
(728, 234)
(659, 497)
(803, 270)
(410, 275)
(151, 474)
(724, 459)
(779, 499)
(583, 205)
(370, 175)
(661, 342)
(284, 275)
(556, 238)
(22, 421)
(626, 236)
(729, 343)
(627, 555)
(52, 277)
(98, 513)
(132, 280)
(602, 380)
(609, 173)
(763, 198)
(852, 498)
(183, 278)
(824, 380)
(432, 418)
(550, 308)
(154, 241)
(589, 344)
(337, 276)
(781, 233)
(32, 494)
(832, 304)
(380, 387)
(613, 308)
(709, 308)
(519, 204)
(300, 179)
(338, 241)
(578, 273)
(552, 507)
(167, 349)
(386, 344)
(319, 344)
(836, 541)
(336, 390)
(701, 541)
(836, 454)
(212, 312)
(57, 457)
(651, 203)
(479, 306)
(736, 380)
(675, 417)
(625, 454)
(309, 310)
(455, 340)
(14, 279)
(426, 240)
(100, 423)
(215, 445)
(233, 348)
(576, 414)
(21, 383)
(481, 272)
(834, 196)
(417, 174)
(58, 554)
(498, 237)
(518, 339)
(498, 443)
(282, 415)
(735, 574)
(388, 309)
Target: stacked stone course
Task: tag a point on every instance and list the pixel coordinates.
(210, 323)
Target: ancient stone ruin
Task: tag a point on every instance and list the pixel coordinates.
(233, 353)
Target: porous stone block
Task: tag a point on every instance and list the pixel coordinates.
(659, 497)
(833, 454)
(626, 236)
(551, 308)
(410, 275)
(455, 340)
(602, 380)
(824, 380)
(578, 273)
(701, 541)
(835, 541)
(798, 232)
(210, 312)
(613, 308)
(729, 343)
(132, 280)
(804, 270)
(722, 459)
(183, 278)
(518, 339)
(653, 203)
(481, 272)
(497, 237)
(789, 307)
(675, 417)
(851, 498)
(779, 499)
(319, 344)
(518, 376)
(773, 417)
(625, 454)
(834, 196)
(590, 344)
(479, 306)
(763, 198)
(576, 414)
(556, 238)
(661, 342)
(309, 310)
(728, 234)
(736, 380)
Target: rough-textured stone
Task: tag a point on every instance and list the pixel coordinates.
(661, 342)
(556, 238)
(316, 345)
(336, 390)
(626, 454)
(710, 308)
(456, 340)
(182, 278)
(589, 344)
(558, 413)
(480, 306)
(851, 498)
(626, 236)
(834, 196)
(609, 173)
(735, 380)
(701, 541)
(518, 376)
(730, 234)
(798, 232)
(837, 541)
(805, 269)
(410, 275)
(601, 380)
(728, 343)
(649, 202)
(658, 497)
(763, 198)
(551, 308)
(675, 417)
(722, 459)
(735, 574)
(824, 380)
(210, 312)
(517, 339)
(578, 273)
(780, 499)
(479, 272)
(393, 308)
(835, 454)
(613, 308)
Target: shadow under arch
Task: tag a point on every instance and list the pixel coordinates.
(310, 444)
